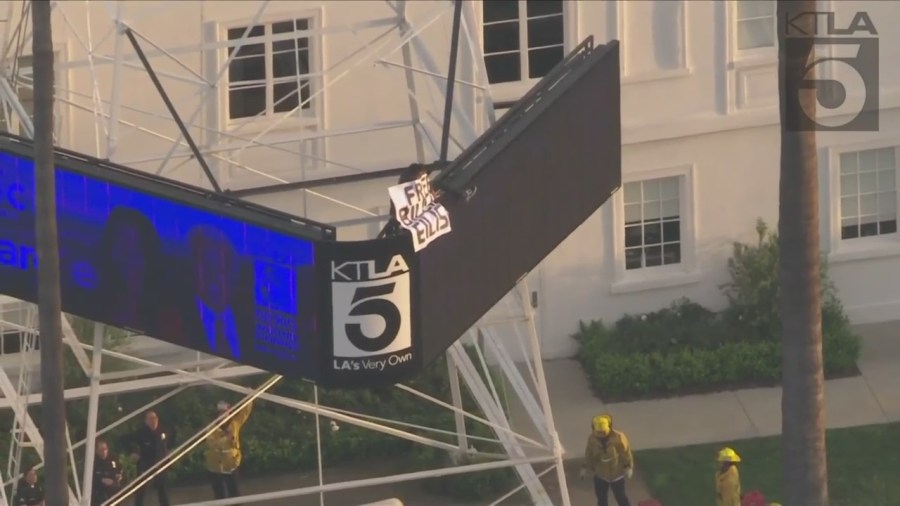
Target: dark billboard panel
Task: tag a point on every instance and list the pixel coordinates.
(167, 261)
(521, 189)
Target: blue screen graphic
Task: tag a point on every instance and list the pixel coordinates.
(163, 268)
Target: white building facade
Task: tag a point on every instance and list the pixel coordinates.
(317, 92)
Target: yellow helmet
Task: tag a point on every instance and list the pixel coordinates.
(602, 424)
(728, 455)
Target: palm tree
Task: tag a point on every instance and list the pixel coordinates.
(804, 470)
(53, 407)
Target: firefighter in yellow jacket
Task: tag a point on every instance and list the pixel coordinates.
(223, 452)
(728, 480)
(608, 459)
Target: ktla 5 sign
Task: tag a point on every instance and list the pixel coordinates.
(843, 73)
(371, 314)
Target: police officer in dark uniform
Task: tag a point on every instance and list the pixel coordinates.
(28, 492)
(151, 443)
(107, 475)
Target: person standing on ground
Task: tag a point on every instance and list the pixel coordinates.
(152, 443)
(29, 492)
(608, 459)
(728, 480)
(223, 452)
(107, 475)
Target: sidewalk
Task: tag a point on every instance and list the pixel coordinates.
(872, 398)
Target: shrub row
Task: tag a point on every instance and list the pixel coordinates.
(629, 375)
(687, 348)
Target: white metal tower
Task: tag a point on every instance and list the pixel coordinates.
(97, 68)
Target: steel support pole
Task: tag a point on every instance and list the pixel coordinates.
(411, 85)
(21, 114)
(319, 444)
(165, 96)
(112, 141)
(495, 414)
(93, 406)
(451, 79)
(465, 122)
(543, 393)
(456, 396)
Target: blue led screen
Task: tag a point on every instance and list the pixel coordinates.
(164, 268)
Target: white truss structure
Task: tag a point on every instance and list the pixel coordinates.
(506, 340)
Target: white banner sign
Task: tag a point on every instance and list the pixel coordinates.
(417, 211)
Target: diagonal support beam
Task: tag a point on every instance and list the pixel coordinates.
(495, 414)
(165, 96)
(74, 343)
(518, 383)
(28, 425)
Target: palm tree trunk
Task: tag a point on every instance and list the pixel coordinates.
(53, 407)
(804, 471)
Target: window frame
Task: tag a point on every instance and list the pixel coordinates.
(308, 117)
(628, 76)
(513, 90)
(662, 276)
(765, 51)
(762, 55)
(840, 249)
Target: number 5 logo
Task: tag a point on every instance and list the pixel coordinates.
(371, 317)
(844, 83)
(369, 301)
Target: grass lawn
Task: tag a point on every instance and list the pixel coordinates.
(863, 468)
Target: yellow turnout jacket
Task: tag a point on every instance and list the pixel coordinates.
(223, 445)
(728, 487)
(608, 459)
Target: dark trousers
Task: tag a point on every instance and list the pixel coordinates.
(158, 483)
(601, 488)
(101, 493)
(224, 485)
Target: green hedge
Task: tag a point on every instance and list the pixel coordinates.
(628, 375)
(687, 348)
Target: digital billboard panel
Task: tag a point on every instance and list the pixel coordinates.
(529, 182)
(179, 267)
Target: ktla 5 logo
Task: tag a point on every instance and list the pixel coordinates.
(371, 307)
(842, 72)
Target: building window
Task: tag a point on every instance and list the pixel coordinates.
(756, 24)
(652, 223)
(271, 76)
(868, 193)
(522, 39)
